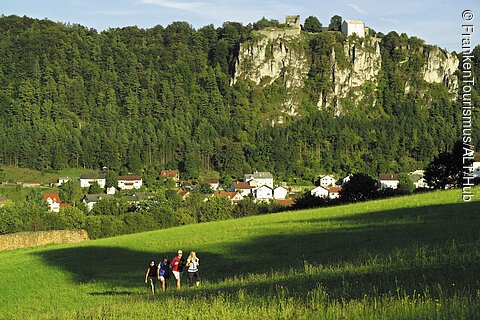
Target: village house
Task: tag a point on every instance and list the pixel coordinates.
(280, 192)
(258, 179)
(476, 166)
(334, 192)
(350, 27)
(111, 190)
(319, 192)
(263, 192)
(173, 174)
(86, 180)
(234, 197)
(91, 199)
(241, 187)
(129, 182)
(214, 184)
(53, 200)
(62, 180)
(29, 183)
(418, 179)
(343, 181)
(388, 180)
(327, 181)
(183, 194)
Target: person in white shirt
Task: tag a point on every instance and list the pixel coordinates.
(192, 263)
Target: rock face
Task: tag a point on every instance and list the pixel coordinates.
(440, 68)
(364, 62)
(281, 54)
(272, 55)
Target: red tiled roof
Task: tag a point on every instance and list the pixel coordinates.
(241, 185)
(168, 173)
(182, 193)
(53, 196)
(230, 195)
(388, 176)
(286, 202)
(129, 178)
(334, 189)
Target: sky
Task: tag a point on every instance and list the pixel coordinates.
(437, 22)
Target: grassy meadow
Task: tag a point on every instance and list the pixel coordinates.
(414, 257)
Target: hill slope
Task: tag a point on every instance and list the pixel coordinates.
(412, 257)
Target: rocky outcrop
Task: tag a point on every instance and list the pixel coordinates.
(363, 63)
(272, 55)
(280, 54)
(440, 68)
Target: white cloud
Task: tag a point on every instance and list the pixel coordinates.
(356, 8)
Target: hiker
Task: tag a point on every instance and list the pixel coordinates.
(177, 267)
(151, 276)
(164, 272)
(192, 263)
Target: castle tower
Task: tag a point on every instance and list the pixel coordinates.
(293, 21)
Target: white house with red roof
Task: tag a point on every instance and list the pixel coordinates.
(53, 200)
(388, 180)
(233, 196)
(129, 182)
(319, 192)
(243, 188)
(334, 192)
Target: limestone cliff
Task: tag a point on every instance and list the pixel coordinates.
(354, 68)
(440, 68)
(364, 62)
(272, 55)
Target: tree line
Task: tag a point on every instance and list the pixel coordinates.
(138, 100)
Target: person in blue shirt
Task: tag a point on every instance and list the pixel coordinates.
(164, 272)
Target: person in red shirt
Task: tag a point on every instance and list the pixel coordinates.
(177, 267)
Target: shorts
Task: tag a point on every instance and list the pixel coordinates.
(176, 274)
(162, 278)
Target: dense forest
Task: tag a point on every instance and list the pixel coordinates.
(137, 100)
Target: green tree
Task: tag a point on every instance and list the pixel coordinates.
(446, 168)
(360, 187)
(95, 189)
(312, 24)
(2, 174)
(70, 192)
(112, 179)
(405, 184)
(335, 23)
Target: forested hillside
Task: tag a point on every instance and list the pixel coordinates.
(134, 99)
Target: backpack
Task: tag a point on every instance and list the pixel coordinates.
(181, 264)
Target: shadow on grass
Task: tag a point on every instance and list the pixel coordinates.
(358, 239)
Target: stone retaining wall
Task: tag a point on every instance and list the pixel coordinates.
(40, 238)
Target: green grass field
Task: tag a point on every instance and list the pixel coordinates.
(415, 257)
(13, 174)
